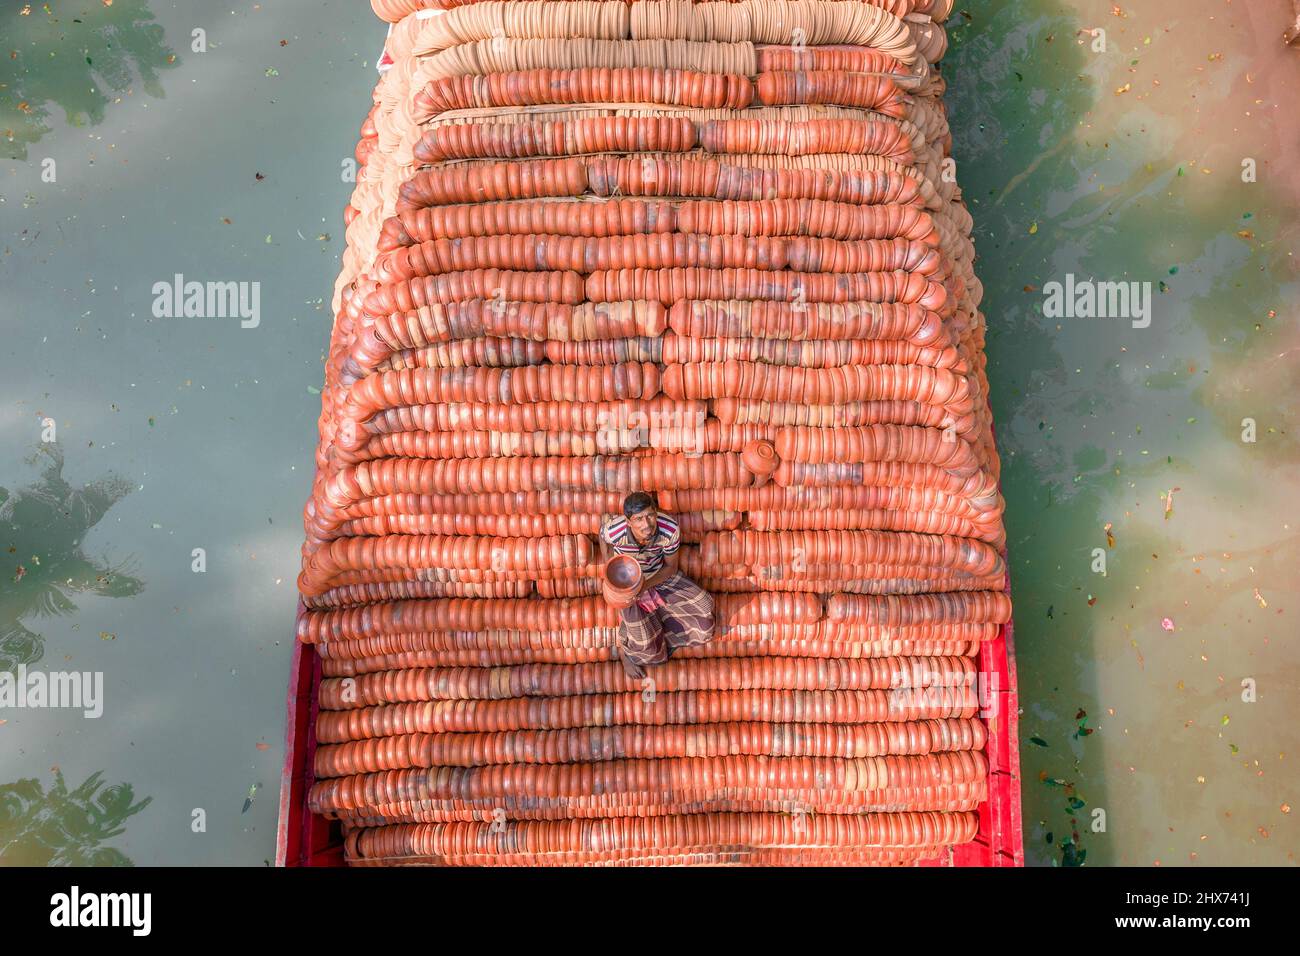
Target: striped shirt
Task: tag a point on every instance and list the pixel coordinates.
(668, 538)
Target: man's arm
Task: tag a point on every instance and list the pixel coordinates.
(662, 575)
(606, 552)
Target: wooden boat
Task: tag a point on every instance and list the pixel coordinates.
(306, 839)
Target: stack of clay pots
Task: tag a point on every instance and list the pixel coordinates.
(713, 251)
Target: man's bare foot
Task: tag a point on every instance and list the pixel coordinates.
(632, 669)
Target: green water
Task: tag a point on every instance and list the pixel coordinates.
(177, 434)
(1097, 419)
(172, 434)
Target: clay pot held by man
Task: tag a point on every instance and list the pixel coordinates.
(620, 580)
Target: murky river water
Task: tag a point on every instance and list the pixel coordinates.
(131, 156)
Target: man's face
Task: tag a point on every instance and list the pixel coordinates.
(643, 524)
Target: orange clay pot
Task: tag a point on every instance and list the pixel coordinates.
(828, 87)
(802, 320)
(620, 85)
(626, 707)
(760, 460)
(618, 217)
(620, 581)
(623, 134)
(703, 178)
(806, 217)
(786, 138)
(581, 745)
(534, 843)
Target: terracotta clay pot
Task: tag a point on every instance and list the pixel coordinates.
(759, 458)
(621, 580)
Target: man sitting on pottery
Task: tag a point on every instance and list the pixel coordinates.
(670, 610)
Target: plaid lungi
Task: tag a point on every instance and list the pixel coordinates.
(683, 620)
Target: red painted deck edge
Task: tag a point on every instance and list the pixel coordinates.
(302, 838)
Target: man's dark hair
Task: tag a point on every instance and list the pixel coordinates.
(637, 502)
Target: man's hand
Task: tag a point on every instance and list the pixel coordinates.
(660, 576)
(649, 600)
(606, 552)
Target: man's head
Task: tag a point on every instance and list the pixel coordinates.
(642, 515)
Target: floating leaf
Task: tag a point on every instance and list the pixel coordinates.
(1038, 740)
(1168, 498)
(1083, 729)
